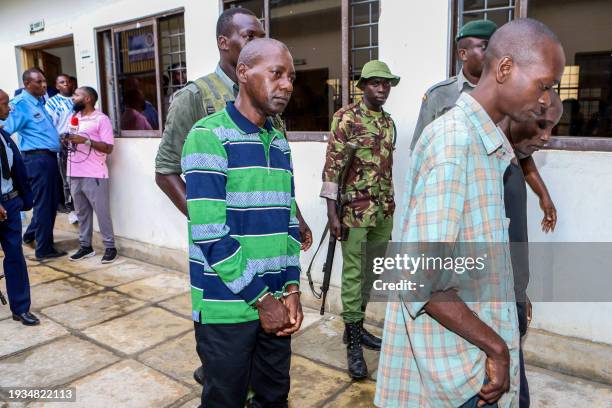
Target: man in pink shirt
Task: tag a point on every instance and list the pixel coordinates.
(88, 174)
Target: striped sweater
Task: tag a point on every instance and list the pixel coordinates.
(243, 234)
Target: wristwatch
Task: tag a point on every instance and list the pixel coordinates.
(88, 142)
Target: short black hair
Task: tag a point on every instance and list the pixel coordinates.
(28, 73)
(91, 92)
(225, 23)
(62, 75)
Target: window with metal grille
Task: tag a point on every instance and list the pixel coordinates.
(330, 41)
(141, 64)
(585, 87)
(172, 50)
(364, 15)
(584, 29)
(498, 11)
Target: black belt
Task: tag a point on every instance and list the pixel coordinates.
(39, 151)
(9, 196)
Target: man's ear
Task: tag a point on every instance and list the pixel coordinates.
(241, 72)
(504, 68)
(462, 54)
(222, 43)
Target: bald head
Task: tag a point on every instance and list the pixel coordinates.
(259, 48)
(523, 40)
(266, 74)
(524, 63)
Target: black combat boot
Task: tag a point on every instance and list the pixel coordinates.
(354, 353)
(368, 340)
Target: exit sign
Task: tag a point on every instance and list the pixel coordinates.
(37, 26)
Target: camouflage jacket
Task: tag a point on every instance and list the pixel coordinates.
(369, 184)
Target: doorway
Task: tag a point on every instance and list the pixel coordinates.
(53, 57)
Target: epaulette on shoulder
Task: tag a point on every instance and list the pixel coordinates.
(446, 82)
(350, 108)
(17, 99)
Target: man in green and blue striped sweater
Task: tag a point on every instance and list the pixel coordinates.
(244, 236)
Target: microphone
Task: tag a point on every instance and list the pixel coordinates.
(73, 129)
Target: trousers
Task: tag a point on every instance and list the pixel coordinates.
(14, 265)
(356, 278)
(238, 355)
(43, 175)
(91, 195)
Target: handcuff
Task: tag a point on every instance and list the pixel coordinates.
(283, 295)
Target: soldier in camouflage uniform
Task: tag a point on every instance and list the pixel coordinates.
(368, 212)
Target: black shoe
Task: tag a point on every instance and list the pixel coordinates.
(82, 253)
(368, 340)
(52, 255)
(27, 319)
(198, 375)
(110, 256)
(28, 240)
(357, 367)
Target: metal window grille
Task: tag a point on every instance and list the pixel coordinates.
(498, 11)
(363, 28)
(172, 55)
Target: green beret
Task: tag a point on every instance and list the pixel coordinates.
(477, 28)
(378, 69)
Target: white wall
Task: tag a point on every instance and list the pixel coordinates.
(413, 38)
(580, 187)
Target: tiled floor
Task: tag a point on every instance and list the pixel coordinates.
(121, 335)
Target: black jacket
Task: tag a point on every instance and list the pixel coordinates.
(19, 174)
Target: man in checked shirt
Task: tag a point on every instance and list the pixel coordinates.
(445, 350)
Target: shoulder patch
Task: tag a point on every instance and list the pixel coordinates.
(444, 83)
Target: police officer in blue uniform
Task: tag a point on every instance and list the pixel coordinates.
(39, 143)
(15, 197)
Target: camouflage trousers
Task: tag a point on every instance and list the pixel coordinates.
(356, 279)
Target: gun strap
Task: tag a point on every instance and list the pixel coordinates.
(314, 256)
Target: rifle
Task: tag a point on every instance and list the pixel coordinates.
(331, 246)
(2, 298)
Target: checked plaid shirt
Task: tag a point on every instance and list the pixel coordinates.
(454, 194)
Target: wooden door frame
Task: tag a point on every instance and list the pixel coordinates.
(25, 50)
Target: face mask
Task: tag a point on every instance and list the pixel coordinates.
(79, 106)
